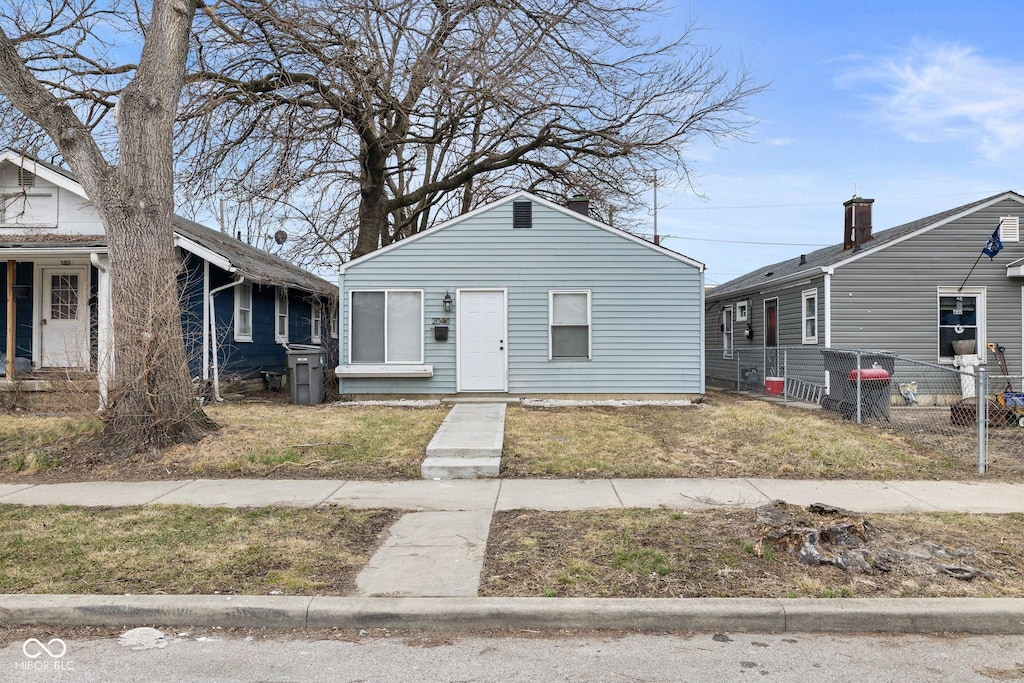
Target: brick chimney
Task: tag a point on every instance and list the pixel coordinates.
(857, 223)
(579, 203)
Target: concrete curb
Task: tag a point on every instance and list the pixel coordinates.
(851, 615)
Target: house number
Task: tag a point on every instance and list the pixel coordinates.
(440, 321)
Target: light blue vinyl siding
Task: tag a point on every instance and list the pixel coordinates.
(646, 307)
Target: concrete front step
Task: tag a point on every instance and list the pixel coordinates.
(460, 468)
(468, 443)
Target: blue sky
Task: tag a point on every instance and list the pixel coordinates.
(918, 105)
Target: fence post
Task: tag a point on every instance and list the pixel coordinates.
(737, 353)
(860, 416)
(785, 375)
(981, 415)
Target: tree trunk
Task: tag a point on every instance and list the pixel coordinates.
(373, 203)
(152, 399)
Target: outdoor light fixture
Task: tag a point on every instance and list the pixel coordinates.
(447, 302)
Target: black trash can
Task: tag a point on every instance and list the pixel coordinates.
(306, 374)
(874, 389)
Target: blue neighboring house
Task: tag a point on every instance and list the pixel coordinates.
(522, 296)
(241, 305)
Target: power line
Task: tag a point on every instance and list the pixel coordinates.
(772, 244)
(787, 206)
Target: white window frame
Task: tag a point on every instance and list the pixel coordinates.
(728, 331)
(742, 311)
(316, 322)
(980, 294)
(551, 324)
(387, 293)
(281, 297)
(240, 335)
(806, 296)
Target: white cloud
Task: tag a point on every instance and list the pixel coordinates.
(948, 91)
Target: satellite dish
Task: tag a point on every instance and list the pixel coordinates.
(280, 237)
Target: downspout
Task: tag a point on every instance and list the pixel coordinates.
(213, 335)
(828, 319)
(105, 350)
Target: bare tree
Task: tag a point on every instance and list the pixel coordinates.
(400, 112)
(60, 68)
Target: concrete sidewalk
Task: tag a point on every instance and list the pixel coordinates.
(535, 494)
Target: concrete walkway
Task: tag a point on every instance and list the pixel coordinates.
(534, 494)
(468, 443)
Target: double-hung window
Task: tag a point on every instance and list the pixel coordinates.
(386, 326)
(569, 324)
(961, 318)
(727, 331)
(809, 305)
(281, 316)
(243, 312)
(316, 322)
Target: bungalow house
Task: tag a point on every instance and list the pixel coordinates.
(240, 305)
(522, 296)
(901, 290)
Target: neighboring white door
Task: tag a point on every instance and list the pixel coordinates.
(64, 335)
(481, 333)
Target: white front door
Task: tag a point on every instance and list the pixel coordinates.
(64, 320)
(480, 326)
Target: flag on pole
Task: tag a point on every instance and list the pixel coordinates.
(993, 246)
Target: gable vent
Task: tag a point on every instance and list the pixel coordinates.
(1009, 229)
(522, 214)
(26, 178)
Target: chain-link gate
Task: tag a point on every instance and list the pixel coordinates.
(929, 404)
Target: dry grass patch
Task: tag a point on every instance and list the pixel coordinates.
(186, 550)
(711, 553)
(328, 441)
(265, 439)
(33, 443)
(728, 437)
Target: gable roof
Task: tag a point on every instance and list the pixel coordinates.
(220, 249)
(835, 256)
(523, 194)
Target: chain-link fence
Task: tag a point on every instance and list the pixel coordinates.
(929, 404)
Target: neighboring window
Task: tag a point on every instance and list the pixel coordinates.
(243, 312)
(961, 317)
(63, 297)
(742, 311)
(809, 305)
(727, 332)
(316, 327)
(1009, 229)
(570, 324)
(386, 327)
(281, 316)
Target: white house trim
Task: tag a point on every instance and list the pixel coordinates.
(203, 253)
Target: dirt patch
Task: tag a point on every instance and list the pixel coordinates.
(713, 553)
(158, 550)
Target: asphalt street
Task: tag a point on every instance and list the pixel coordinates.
(523, 656)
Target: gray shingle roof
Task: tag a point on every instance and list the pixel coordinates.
(827, 256)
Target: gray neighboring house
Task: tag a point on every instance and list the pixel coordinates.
(894, 290)
(522, 296)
